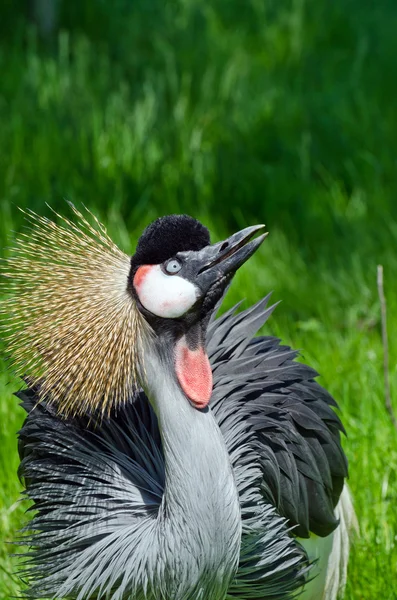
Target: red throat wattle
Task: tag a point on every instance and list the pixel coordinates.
(194, 373)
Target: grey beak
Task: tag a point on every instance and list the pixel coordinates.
(224, 258)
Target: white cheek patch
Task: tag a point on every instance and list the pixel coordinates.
(167, 296)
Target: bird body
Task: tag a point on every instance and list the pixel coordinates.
(201, 481)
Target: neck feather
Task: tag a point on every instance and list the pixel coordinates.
(200, 513)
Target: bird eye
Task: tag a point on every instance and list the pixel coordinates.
(172, 266)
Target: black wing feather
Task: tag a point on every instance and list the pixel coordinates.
(289, 422)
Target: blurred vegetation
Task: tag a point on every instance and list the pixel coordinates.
(237, 112)
(282, 110)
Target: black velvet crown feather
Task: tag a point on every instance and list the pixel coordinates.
(167, 236)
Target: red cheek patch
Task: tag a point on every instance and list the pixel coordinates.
(194, 373)
(140, 275)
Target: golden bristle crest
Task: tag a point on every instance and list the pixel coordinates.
(71, 327)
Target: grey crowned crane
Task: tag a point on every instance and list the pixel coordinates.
(169, 455)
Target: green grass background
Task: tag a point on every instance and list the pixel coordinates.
(237, 112)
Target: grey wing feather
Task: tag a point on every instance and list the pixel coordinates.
(97, 492)
(286, 419)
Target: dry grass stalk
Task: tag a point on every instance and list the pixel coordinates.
(385, 343)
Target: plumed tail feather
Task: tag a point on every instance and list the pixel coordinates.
(331, 554)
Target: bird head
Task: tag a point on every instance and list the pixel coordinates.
(176, 274)
(79, 312)
(176, 278)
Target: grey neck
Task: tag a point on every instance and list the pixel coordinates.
(199, 519)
